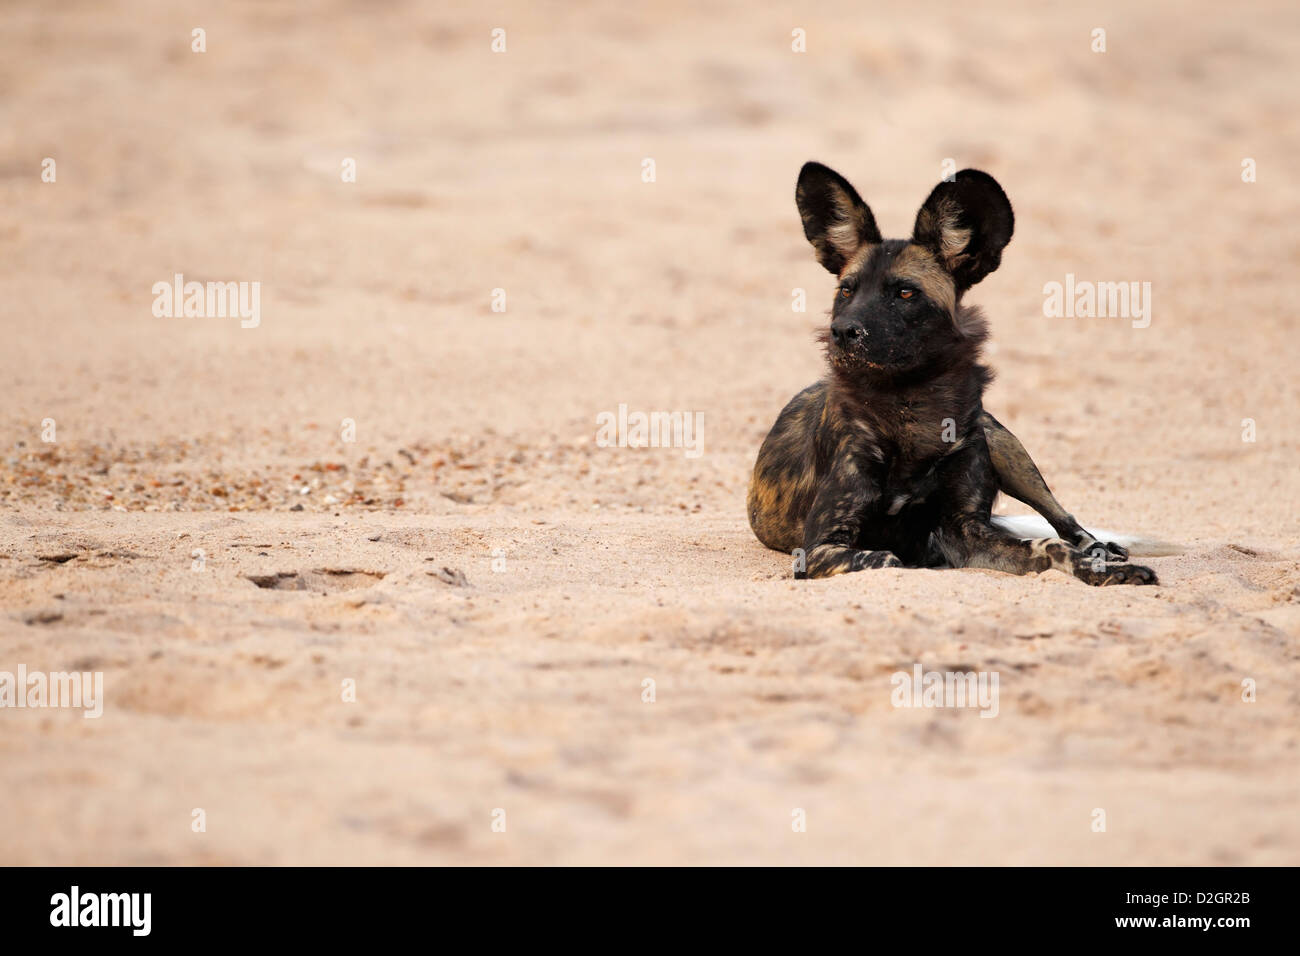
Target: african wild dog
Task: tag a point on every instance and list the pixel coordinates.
(891, 461)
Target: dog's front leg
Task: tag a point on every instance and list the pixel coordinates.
(845, 499)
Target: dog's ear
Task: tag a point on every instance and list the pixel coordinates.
(835, 219)
(966, 223)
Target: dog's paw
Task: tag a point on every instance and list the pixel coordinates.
(1115, 574)
(1109, 550)
(870, 560)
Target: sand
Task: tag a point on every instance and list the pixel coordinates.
(497, 586)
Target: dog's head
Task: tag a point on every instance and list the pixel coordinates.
(898, 306)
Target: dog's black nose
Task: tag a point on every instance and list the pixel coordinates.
(845, 335)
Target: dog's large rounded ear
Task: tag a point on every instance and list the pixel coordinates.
(835, 219)
(966, 223)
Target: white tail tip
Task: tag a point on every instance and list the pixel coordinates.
(1033, 526)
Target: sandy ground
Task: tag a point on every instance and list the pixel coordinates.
(496, 584)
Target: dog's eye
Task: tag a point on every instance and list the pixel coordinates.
(906, 293)
(845, 291)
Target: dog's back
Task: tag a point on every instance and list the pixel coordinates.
(785, 475)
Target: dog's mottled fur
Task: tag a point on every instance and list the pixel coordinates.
(891, 461)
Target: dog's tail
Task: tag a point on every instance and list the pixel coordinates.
(1032, 526)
